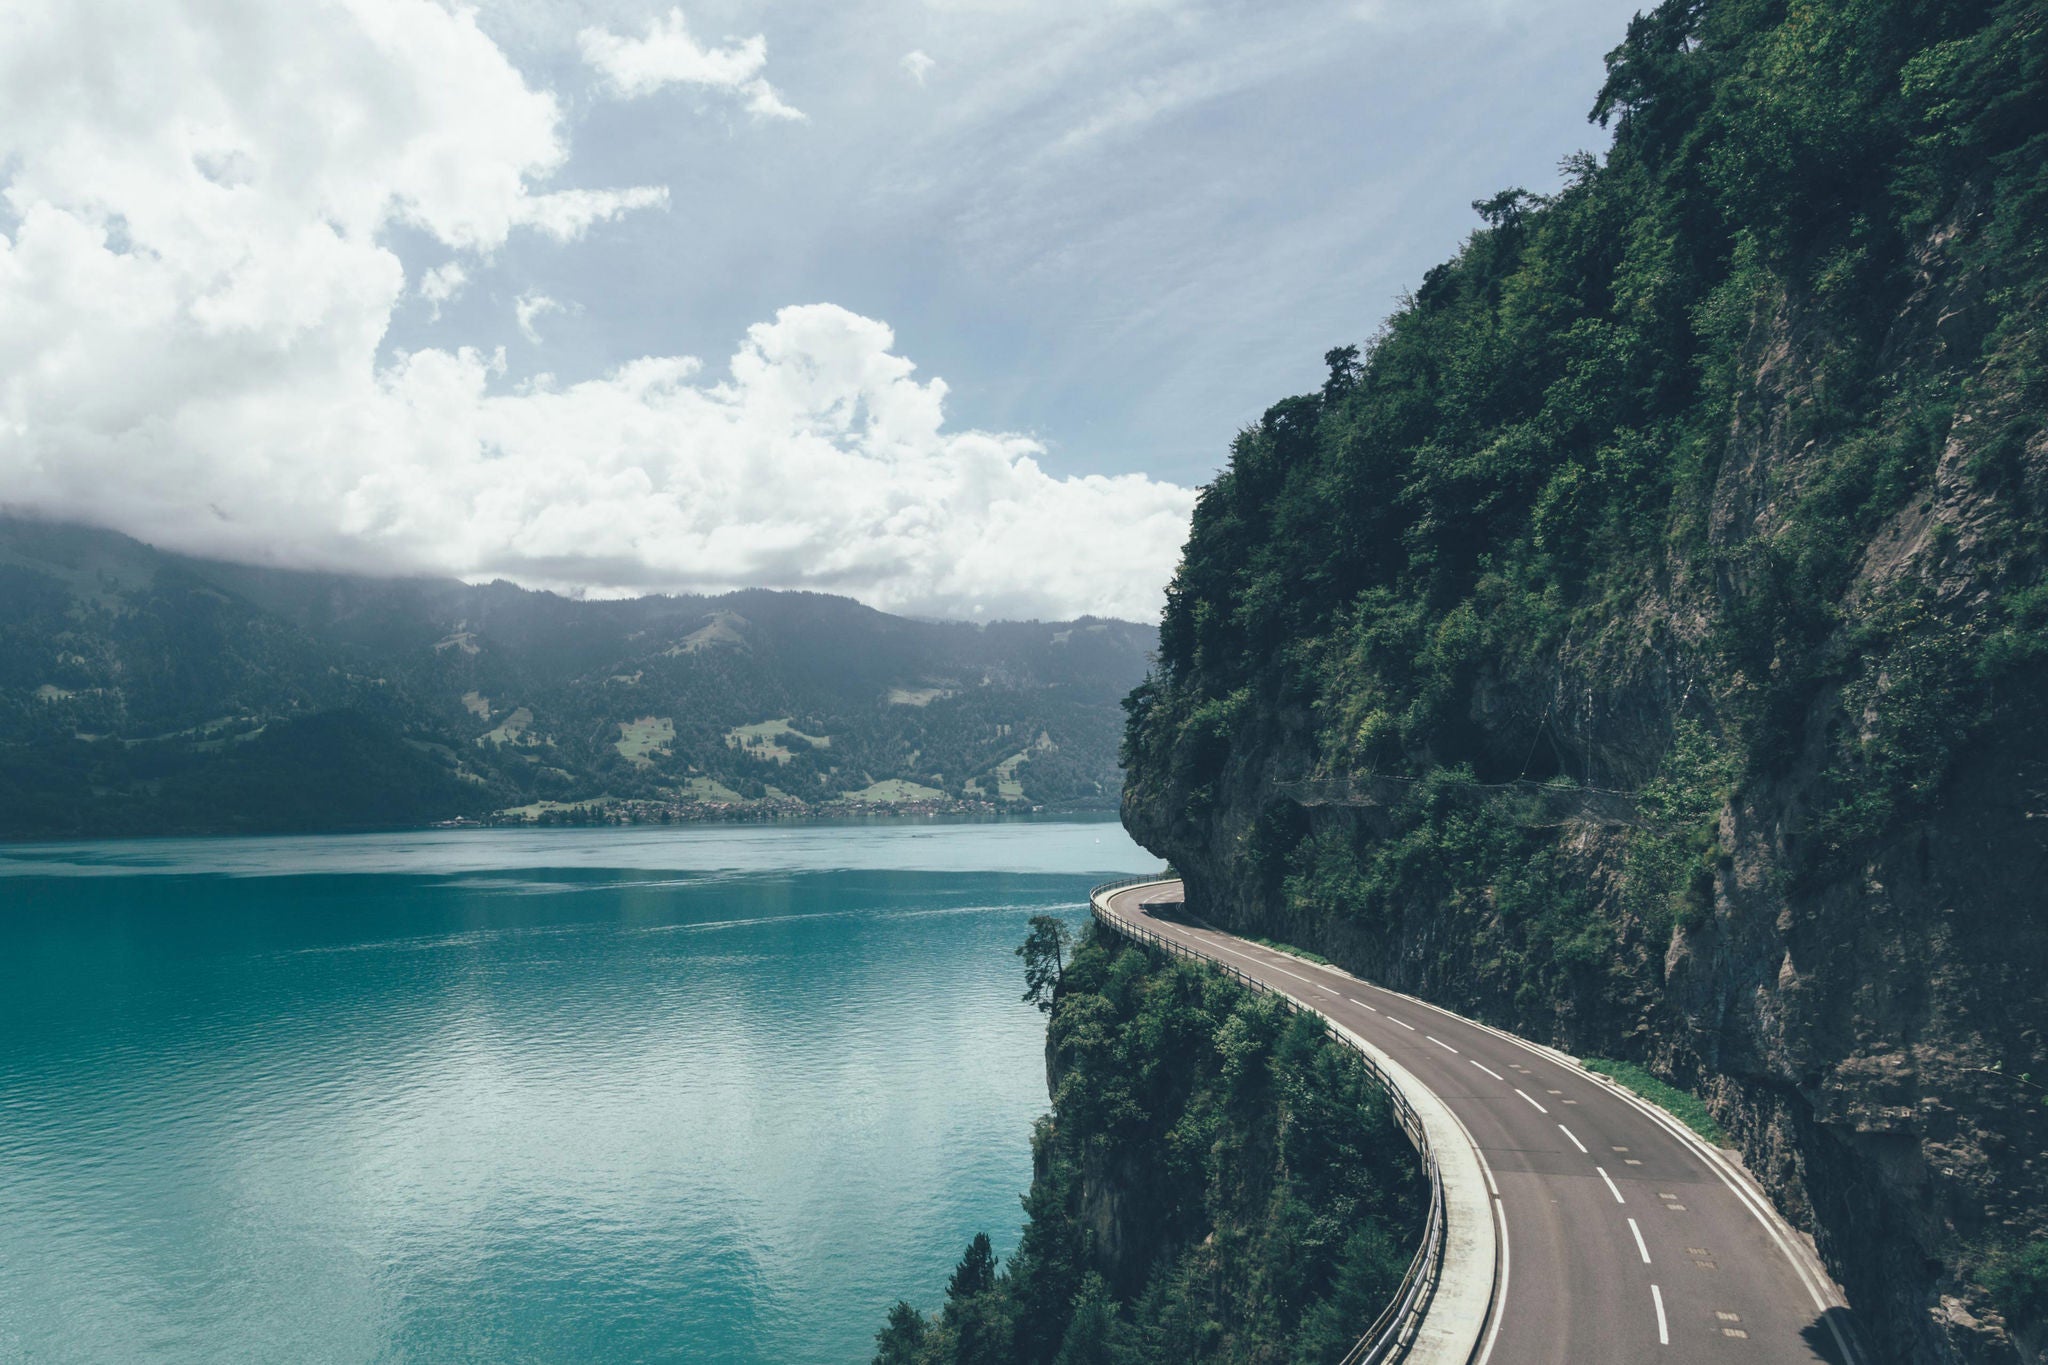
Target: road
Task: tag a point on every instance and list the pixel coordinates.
(1622, 1238)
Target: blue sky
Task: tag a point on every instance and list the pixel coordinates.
(416, 288)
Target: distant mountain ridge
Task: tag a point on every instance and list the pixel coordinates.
(148, 692)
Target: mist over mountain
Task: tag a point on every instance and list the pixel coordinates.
(147, 692)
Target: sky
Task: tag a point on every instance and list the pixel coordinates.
(946, 305)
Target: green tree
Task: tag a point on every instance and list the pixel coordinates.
(902, 1341)
(1088, 1340)
(2018, 1282)
(978, 1317)
(976, 1273)
(1045, 958)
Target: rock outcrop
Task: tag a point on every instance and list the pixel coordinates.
(1696, 713)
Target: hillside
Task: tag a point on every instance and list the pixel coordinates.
(1217, 1181)
(1640, 641)
(143, 692)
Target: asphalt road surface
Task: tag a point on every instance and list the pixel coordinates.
(1623, 1241)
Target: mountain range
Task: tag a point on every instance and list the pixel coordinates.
(143, 692)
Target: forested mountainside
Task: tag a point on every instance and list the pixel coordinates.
(143, 692)
(1642, 641)
(1217, 1181)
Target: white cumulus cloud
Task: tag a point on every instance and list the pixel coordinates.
(443, 283)
(669, 55)
(566, 214)
(528, 308)
(197, 281)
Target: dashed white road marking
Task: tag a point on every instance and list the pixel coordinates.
(1402, 1022)
(1810, 1278)
(1531, 1098)
(1663, 1327)
(1374, 1008)
(1574, 1137)
(1640, 1246)
(1612, 1188)
(1441, 1043)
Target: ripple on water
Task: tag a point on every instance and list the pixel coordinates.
(543, 1098)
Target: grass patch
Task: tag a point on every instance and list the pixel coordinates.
(893, 791)
(917, 696)
(1682, 1105)
(1277, 946)
(724, 628)
(763, 740)
(533, 810)
(511, 730)
(641, 741)
(1008, 788)
(709, 789)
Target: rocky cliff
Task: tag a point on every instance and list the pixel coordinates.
(1640, 643)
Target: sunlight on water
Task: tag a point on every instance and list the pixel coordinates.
(698, 1094)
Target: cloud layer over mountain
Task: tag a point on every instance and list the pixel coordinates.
(198, 271)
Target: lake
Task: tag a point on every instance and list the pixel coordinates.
(710, 1093)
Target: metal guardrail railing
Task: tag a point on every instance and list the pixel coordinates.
(1393, 1332)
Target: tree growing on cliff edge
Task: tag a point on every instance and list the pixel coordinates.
(901, 1342)
(1045, 958)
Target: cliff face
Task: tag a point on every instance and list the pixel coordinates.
(1861, 1037)
(1648, 656)
(1217, 1181)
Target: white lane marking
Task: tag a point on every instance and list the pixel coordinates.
(1851, 1350)
(1489, 1070)
(1374, 1008)
(1500, 1298)
(1663, 1327)
(1527, 1096)
(1441, 1043)
(1574, 1137)
(1765, 1216)
(1497, 1307)
(1640, 1246)
(1402, 1022)
(1611, 1187)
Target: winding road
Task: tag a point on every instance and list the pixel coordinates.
(1617, 1235)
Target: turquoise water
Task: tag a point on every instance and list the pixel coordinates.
(707, 1094)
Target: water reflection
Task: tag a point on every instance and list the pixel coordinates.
(605, 1097)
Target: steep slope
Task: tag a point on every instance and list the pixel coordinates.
(1641, 642)
(1217, 1181)
(145, 692)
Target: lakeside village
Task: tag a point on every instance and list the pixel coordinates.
(606, 810)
